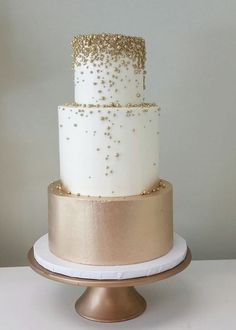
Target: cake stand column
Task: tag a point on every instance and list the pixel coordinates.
(110, 304)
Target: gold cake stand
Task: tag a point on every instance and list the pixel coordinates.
(109, 300)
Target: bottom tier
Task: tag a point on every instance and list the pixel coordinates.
(110, 231)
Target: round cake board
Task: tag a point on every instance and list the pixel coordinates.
(51, 262)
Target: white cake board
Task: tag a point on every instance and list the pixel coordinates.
(51, 262)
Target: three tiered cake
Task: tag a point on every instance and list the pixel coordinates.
(109, 206)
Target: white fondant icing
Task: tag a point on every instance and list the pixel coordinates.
(97, 83)
(108, 151)
(49, 261)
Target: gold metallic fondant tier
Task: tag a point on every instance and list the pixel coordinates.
(110, 230)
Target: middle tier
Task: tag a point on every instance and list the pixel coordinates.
(109, 151)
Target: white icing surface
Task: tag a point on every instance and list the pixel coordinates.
(118, 156)
(97, 83)
(49, 261)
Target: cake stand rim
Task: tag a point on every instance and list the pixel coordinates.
(108, 283)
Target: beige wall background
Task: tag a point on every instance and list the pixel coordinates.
(191, 73)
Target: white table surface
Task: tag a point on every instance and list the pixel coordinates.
(201, 297)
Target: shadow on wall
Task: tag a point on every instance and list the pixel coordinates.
(207, 84)
(18, 68)
(21, 197)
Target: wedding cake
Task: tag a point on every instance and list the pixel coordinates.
(110, 206)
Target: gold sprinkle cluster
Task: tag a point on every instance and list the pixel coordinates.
(160, 185)
(113, 105)
(95, 47)
(62, 190)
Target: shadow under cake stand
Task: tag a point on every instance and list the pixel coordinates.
(109, 300)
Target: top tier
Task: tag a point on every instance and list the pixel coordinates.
(108, 69)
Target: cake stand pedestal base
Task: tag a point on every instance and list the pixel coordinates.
(109, 300)
(110, 304)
